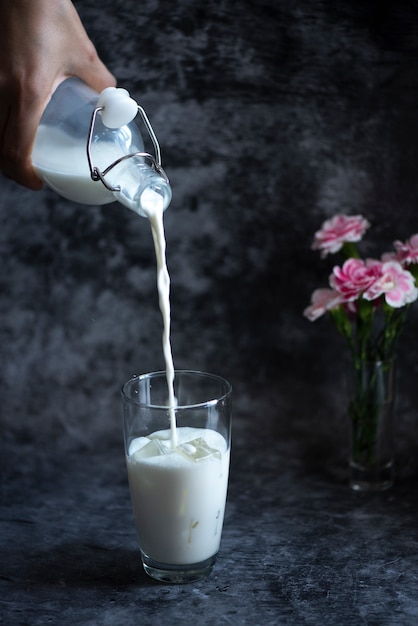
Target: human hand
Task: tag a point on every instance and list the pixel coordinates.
(42, 43)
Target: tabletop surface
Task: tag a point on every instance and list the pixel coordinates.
(298, 546)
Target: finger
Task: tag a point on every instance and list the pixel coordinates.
(97, 76)
(19, 123)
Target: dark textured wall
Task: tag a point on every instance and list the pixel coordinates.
(272, 116)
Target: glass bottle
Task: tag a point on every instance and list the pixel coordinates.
(89, 150)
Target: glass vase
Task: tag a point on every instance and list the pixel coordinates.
(371, 413)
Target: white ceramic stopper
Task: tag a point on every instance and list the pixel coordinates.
(118, 108)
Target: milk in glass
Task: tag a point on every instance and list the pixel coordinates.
(178, 496)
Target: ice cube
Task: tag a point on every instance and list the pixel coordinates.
(137, 444)
(154, 447)
(197, 450)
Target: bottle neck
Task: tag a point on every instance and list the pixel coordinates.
(140, 187)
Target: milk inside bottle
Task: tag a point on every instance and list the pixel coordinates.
(89, 150)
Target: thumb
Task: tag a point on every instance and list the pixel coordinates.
(98, 77)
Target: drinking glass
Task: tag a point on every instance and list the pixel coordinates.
(178, 476)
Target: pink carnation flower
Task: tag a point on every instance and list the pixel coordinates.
(354, 277)
(407, 253)
(337, 230)
(395, 283)
(322, 300)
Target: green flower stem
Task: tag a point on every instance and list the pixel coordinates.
(349, 250)
(367, 408)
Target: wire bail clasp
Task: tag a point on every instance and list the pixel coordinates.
(155, 161)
